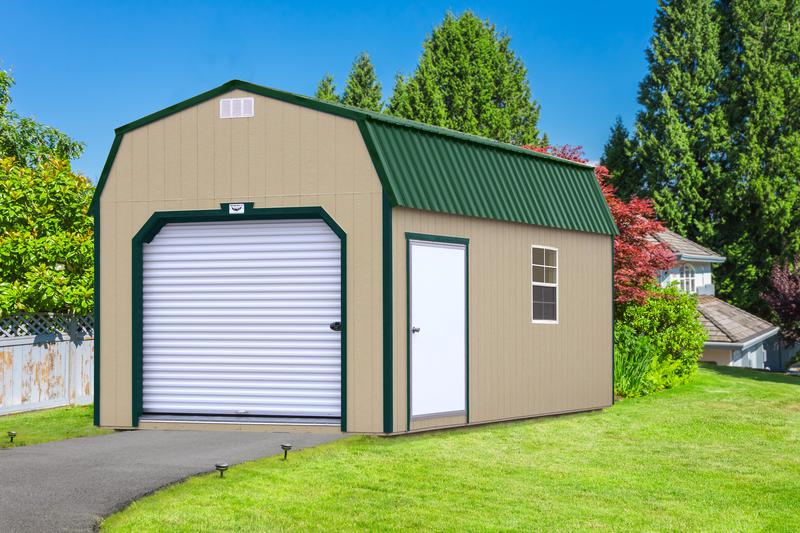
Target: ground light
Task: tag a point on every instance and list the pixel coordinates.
(286, 447)
(11, 435)
(221, 468)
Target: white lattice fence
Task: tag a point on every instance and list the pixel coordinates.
(34, 324)
(46, 360)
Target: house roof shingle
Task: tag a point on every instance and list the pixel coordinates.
(727, 323)
(685, 249)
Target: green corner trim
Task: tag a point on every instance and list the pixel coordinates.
(377, 160)
(96, 325)
(388, 321)
(159, 219)
(613, 327)
(101, 182)
(410, 236)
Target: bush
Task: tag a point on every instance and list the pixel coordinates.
(46, 246)
(633, 357)
(668, 319)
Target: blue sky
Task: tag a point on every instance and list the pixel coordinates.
(88, 67)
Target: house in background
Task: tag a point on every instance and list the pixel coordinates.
(735, 337)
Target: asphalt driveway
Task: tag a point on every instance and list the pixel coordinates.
(69, 485)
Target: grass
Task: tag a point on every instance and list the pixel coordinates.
(720, 453)
(46, 426)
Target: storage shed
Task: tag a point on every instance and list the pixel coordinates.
(264, 258)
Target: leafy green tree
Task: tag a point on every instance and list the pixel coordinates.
(363, 88)
(28, 141)
(326, 89)
(681, 130)
(468, 79)
(618, 158)
(46, 260)
(761, 99)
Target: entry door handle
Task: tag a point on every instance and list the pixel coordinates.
(336, 326)
(414, 329)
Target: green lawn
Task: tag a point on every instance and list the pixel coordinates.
(720, 453)
(46, 426)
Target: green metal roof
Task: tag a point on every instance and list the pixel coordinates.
(433, 172)
(436, 169)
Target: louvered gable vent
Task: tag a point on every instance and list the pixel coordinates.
(236, 108)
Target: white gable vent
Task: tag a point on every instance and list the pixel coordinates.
(236, 108)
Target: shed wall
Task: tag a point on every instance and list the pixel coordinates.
(286, 155)
(718, 356)
(516, 368)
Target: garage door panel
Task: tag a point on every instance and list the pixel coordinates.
(236, 319)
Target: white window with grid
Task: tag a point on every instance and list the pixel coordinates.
(544, 285)
(688, 279)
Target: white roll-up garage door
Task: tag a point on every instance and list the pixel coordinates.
(237, 319)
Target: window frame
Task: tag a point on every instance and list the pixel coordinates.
(681, 278)
(545, 284)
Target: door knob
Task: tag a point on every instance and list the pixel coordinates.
(415, 329)
(336, 326)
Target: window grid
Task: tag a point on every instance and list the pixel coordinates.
(687, 278)
(544, 285)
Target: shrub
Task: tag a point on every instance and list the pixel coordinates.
(633, 357)
(46, 246)
(669, 319)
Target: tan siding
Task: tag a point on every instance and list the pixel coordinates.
(285, 156)
(519, 369)
(719, 356)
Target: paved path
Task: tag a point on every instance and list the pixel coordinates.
(70, 485)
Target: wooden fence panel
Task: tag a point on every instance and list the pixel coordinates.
(45, 366)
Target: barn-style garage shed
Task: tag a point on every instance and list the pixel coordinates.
(265, 258)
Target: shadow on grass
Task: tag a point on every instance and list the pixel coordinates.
(755, 375)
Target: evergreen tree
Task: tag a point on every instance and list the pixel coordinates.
(468, 79)
(618, 158)
(326, 89)
(761, 99)
(363, 89)
(681, 130)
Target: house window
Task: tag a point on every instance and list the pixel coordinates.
(544, 284)
(687, 277)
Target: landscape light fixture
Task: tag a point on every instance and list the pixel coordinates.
(286, 447)
(11, 435)
(221, 468)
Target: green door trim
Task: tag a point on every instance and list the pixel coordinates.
(410, 236)
(160, 218)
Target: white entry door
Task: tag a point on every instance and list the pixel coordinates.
(438, 328)
(240, 318)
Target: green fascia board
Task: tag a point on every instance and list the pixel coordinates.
(484, 194)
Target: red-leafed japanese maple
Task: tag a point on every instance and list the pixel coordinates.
(783, 297)
(637, 259)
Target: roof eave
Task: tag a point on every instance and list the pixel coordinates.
(701, 258)
(745, 344)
